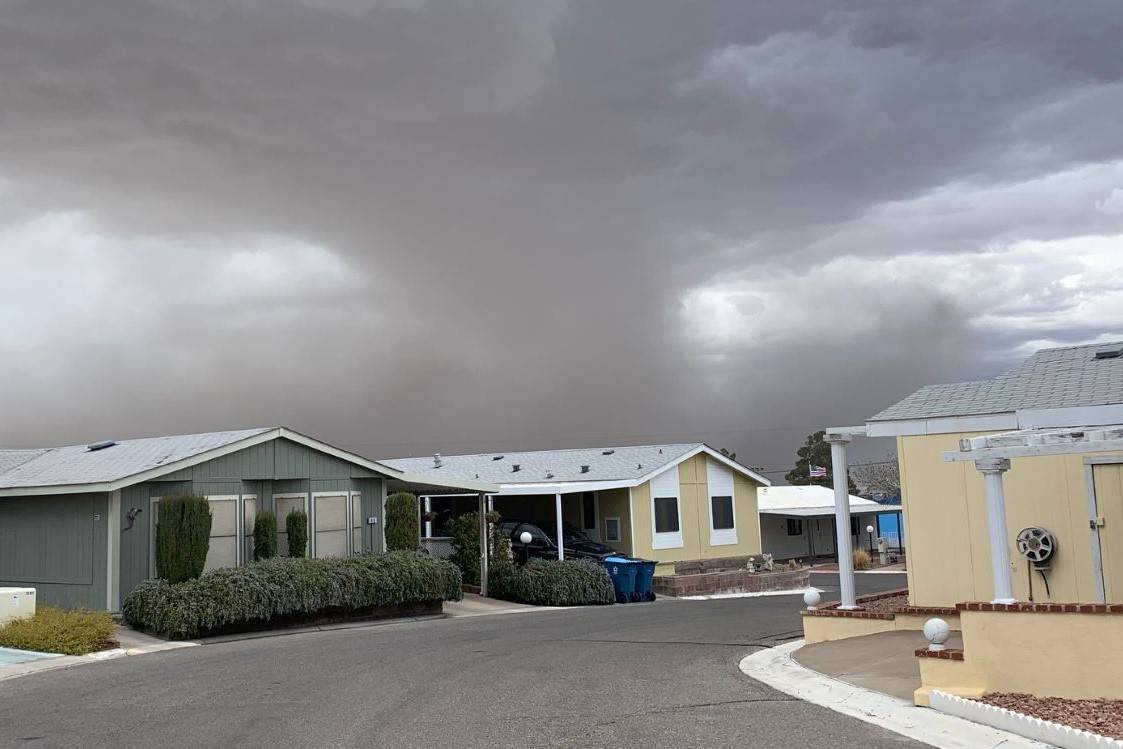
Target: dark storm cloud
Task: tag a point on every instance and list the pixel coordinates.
(413, 226)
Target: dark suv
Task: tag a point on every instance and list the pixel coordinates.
(577, 544)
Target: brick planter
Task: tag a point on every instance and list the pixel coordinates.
(731, 581)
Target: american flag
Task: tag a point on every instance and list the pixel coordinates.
(817, 472)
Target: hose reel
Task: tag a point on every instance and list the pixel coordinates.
(1038, 546)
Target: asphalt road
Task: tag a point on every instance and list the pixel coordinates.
(645, 675)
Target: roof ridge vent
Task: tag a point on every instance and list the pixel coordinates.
(607, 452)
(94, 447)
(1113, 353)
(437, 462)
(497, 457)
(549, 474)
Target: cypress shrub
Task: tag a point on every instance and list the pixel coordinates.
(258, 593)
(296, 526)
(402, 530)
(264, 536)
(464, 535)
(183, 531)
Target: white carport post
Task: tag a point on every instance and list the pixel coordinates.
(428, 522)
(992, 470)
(561, 541)
(483, 544)
(838, 444)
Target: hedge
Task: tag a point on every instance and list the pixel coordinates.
(53, 630)
(553, 582)
(402, 529)
(254, 595)
(183, 530)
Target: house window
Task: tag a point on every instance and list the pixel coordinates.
(666, 515)
(722, 509)
(853, 526)
(666, 528)
(723, 521)
(589, 511)
(612, 529)
(795, 527)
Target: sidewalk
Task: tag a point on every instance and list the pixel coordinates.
(130, 642)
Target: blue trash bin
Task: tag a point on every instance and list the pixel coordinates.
(623, 574)
(645, 575)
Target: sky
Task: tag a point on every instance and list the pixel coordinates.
(408, 227)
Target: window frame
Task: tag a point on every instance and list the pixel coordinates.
(720, 483)
(798, 522)
(666, 486)
(619, 530)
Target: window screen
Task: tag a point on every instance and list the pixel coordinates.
(795, 527)
(721, 509)
(666, 515)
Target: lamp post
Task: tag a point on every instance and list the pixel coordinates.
(869, 530)
(526, 538)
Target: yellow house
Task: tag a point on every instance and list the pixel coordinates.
(1012, 491)
(670, 503)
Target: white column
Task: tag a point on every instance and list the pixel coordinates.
(491, 503)
(428, 505)
(842, 541)
(561, 542)
(483, 544)
(992, 470)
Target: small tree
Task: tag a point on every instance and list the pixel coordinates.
(402, 529)
(183, 538)
(464, 533)
(296, 528)
(814, 453)
(264, 536)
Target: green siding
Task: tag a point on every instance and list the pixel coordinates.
(56, 544)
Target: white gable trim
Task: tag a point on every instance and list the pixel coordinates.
(233, 447)
(713, 454)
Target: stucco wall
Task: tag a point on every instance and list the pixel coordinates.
(694, 517)
(946, 528)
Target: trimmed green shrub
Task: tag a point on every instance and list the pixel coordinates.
(464, 535)
(552, 582)
(183, 537)
(296, 529)
(258, 593)
(264, 536)
(402, 530)
(53, 630)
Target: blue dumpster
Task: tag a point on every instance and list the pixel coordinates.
(623, 574)
(645, 574)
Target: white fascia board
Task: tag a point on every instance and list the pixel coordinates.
(564, 487)
(856, 431)
(1078, 416)
(815, 512)
(943, 425)
(425, 479)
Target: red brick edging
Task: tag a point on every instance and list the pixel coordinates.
(928, 610)
(831, 609)
(1043, 608)
(950, 654)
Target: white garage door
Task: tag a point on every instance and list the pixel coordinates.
(330, 520)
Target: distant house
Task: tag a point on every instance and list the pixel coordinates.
(77, 522)
(670, 503)
(798, 522)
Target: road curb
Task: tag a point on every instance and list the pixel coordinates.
(776, 668)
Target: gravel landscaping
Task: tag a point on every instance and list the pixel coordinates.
(885, 605)
(1104, 717)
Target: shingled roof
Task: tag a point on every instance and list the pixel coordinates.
(1089, 375)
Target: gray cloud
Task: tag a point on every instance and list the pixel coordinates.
(412, 226)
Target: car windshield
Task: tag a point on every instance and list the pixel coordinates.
(573, 534)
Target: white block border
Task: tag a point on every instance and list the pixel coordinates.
(1023, 725)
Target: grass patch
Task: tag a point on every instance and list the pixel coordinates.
(53, 630)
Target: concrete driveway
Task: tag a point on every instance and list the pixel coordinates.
(651, 675)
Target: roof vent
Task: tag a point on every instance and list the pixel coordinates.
(1110, 353)
(437, 460)
(515, 468)
(639, 466)
(584, 469)
(607, 452)
(549, 475)
(100, 445)
(497, 457)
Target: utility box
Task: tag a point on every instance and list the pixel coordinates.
(16, 603)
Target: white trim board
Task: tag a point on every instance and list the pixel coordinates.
(664, 486)
(1035, 729)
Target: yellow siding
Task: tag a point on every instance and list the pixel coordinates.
(694, 518)
(614, 504)
(946, 530)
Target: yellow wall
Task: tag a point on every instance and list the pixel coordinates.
(824, 628)
(946, 529)
(614, 504)
(694, 518)
(1046, 654)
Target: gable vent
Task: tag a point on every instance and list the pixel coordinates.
(100, 445)
(1110, 353)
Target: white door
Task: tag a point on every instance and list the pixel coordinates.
(330, 513)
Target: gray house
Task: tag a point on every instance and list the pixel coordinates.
(77, 522)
